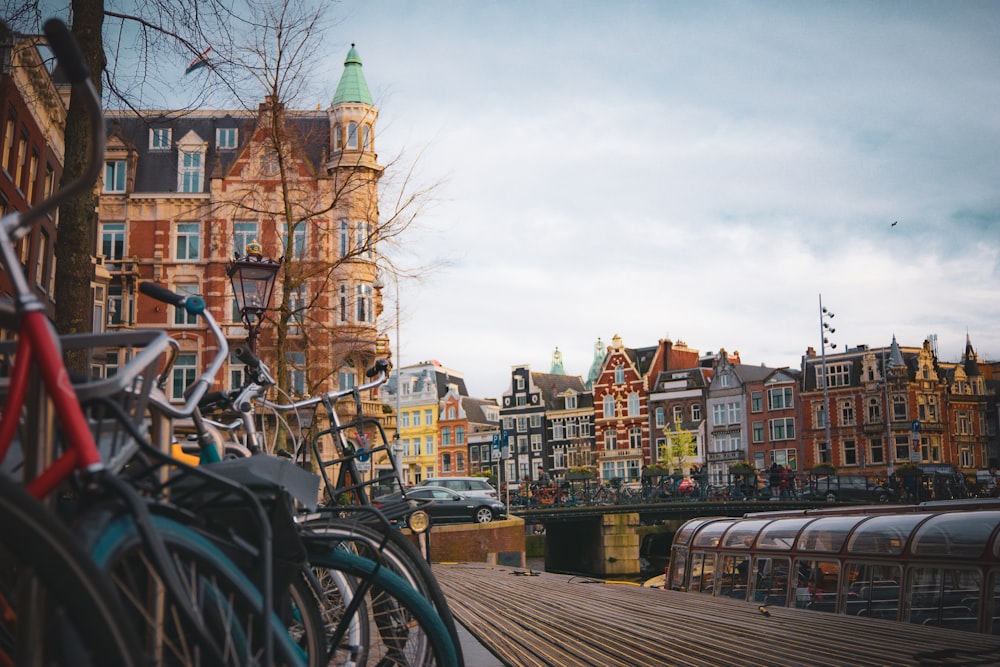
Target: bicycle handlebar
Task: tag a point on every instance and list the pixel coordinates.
(196, 305)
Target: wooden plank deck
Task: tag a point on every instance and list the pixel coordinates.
(545, 619)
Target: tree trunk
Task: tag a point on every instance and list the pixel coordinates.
(75, 240)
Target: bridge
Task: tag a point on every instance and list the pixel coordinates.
(606, 540)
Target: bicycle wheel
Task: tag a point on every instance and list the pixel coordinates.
(305, 617)
(230, 626)
(391, 548)
(402, 626)
(44, 569)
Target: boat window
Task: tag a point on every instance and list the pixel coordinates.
(684, 534)
(702, 568)
(872, 590)
(827, 533)
(992, 611)
(887, 534)
(770, 580)
(816, 584)
(709, 535)
(732, 575)
(781, 534)
(963, 534)
(946, 597)
(741, 536)
(678, 568)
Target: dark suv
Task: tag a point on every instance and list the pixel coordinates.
(853, 488)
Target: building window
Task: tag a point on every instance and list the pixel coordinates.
(364, 304)
(460, 435)
(226, 138)
(735, 413)
(846, 413)
(347, 378)
(850, 453)
(338, 137)
(571, 430)
(782, 429)
(558, 431)
(445, 460)
(902, 448)
(446, 437)
(610, 440)
(876, 451)
(344, 239)
(536, 442)
(823, 452)
(188, 241)
(8, 148)
(780, 398)
(520, 383)
(678, 413)
(416, 418)
(757, 430)
(366, 137)
(635, 438)
(342, 297)
(22, 158)
(756, 401)
(297, 306)
(696, 412)
(899, 408)
(874, 411)
(114, 175)
(839, 375)
(819, 415)
(159, 139)
(718, 414)
(184, 374)
(32, 177)
(352, 135)
(181, 316)
(609, 406)
(192, 171)
(661, 417)
(522, 424)
(571, 402)
(297, 372)
(298, 241)
(243, 233)
(633, 404)
(113, 242)
(619, 374)
(43, 262)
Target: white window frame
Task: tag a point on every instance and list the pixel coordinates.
(115, 176)
(159, 138)
(184, 250)
(227, 138)
(191, 171)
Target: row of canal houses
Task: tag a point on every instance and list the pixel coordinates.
(888, 406)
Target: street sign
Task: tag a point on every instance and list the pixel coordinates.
(362, 455)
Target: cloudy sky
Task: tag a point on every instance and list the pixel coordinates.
(701, 171)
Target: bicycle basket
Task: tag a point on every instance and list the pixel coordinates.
(123, 368)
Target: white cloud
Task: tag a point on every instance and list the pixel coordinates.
(698, 171)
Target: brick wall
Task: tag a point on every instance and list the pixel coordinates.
(495, 542)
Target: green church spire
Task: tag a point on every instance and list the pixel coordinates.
(352, 86)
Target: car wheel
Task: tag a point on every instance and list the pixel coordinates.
(831, 496)
(483, 515)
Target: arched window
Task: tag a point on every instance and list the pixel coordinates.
(609, 406)
(661, 418)
(366, 137)
(352, 135)
(338, 137)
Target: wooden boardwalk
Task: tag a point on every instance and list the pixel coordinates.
(562, 621)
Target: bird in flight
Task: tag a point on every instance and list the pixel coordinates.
(894, 224)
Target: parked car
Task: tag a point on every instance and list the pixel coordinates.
(857, 488)
(448, 506)
(467, 486)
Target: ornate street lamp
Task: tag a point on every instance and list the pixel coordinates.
(253, 282)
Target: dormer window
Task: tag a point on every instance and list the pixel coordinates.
(114, 175)
(191, 163)
(571, 402)
(159, 139)
(226, 138)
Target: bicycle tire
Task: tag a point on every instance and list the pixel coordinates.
(405, 630)
(304, 617)
(393, 549)
(80, 604)
(225, 602)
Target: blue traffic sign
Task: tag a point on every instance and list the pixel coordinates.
(362, 454)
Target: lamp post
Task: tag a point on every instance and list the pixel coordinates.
(397, 446)
(824, 327)
(253, 283)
